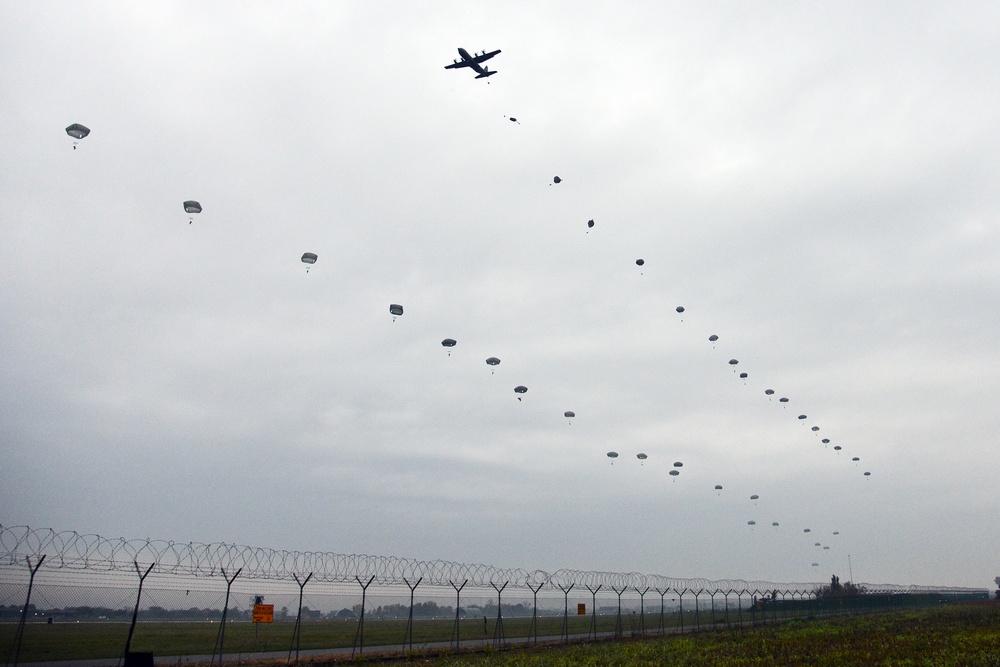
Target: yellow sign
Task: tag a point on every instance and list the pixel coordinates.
(581, 609)
(263, 613)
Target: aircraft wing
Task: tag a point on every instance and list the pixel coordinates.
(464, 63)
(484, 56)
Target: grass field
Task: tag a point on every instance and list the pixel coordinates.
(951, 636)
(83, 640)
(967, 634)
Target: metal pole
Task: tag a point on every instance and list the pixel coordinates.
(498, 636)
(565, 627)
(220, 640)
(456, 634)
(533, 633)
(297, 632)
(592, 633)
(135, 612)
(662, 593)
(409, 618)
(361, 625)
(642, 610)
(618, 617)
(680, 607)
(19, 636)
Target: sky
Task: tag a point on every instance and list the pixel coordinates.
(814, 184)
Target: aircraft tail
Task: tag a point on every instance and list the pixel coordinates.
(486, 73)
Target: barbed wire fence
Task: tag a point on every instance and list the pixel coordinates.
(50, 578)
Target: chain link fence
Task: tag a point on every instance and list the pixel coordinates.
(108, 602)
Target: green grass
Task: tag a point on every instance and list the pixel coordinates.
(956, 636)
(947, 635)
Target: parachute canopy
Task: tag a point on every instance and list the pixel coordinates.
(782, 400)
(640, 262)
(641, 456)
(855, 459)
(556, 179)
(307, 257)
(802, 416)
(191, 206)
(77, 131)
(520, 389)
(674, 473)
(775, 523)
(713, 338)
(769, 392)
(815, 428)
(743, 376)
(867, 474)
(837, 447)
(492, 361)
(733, 362)
(569, 414)
(718, 487)
(807, 530)
(825, 441)
(395, 309)
(679, 309)
(449, 342)
(612, 455)
(590, 223)
(751, 523)
(678, 464)
(754, 497)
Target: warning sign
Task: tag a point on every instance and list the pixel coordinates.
(581, 609)
(263, 613)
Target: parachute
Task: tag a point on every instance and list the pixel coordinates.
(815, 428)
(782, 400)
(743, 376)
(520, 389)
(678, 464)
(867, 474)
(769, 392)
(754, 497)
(713, 338)
(774, 523)
(641, 456)
(733, 362)
(492, 361)
(449, 343)
(855, 459)
(396, 310)
(640, 262)
(612, 456)
(825, 441)
(308, 258)
(807, 530)
(718, 487)
(837, 448)
(514, 120)
(680, 309)
(192, 207)
(674, 473)
(78, 132)
(569, 414)
(590, 225)
(751, 523)
(556, 179)
(802, 417)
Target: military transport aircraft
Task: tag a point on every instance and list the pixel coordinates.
(473, 62)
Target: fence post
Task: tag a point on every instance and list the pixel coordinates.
(533, 632)
(409, 619)
(360, 634)
(297, 631)
(726, 598)
(220, 640)
(565, 627)
(593, 612)
(498, 636)
(456, 633)
(19, 635)
(680, 607)
(662, 593)
(642, 610)
(135, 612)
(618, 617)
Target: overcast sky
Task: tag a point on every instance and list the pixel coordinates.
(814, 184)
